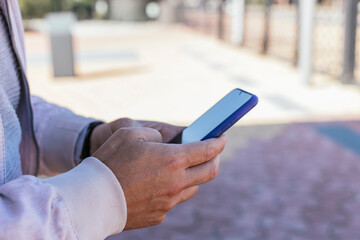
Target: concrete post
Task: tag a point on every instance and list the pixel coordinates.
(203, 21)
(307, 17)
(220, 29)
(297, 38)
(350, 41)
(238, 19)
(266, 39)
(128, 10)
(62, 54)
(169, 11)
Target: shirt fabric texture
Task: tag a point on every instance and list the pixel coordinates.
(45, 140)
(9, 98)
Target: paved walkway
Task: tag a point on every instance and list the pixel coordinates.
(291, 167)
(173, 74)
(293, 181)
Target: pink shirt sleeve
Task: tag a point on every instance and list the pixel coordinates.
(32, 209)
(57, 130)
(85, 203)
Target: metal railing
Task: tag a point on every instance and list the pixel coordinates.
(273, 28)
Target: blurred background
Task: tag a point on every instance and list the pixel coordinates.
(291, 168)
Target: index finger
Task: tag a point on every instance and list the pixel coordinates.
(197, 153)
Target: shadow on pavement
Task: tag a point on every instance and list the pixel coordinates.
(290, 181)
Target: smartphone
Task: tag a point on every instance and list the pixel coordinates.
(219, 118)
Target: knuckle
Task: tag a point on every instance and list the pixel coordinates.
(174, 190)
(208, 152)
(213, 171)
(120, 123)
(125, 122)
(129, 133)
(122, 131)
(175, 162)
(223, 144)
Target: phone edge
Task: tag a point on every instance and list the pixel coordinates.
(236, 116)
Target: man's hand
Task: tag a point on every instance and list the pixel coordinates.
(156, 176)
(104, 131)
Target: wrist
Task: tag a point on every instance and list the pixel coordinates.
(86, 151)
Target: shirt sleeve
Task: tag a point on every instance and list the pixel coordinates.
(85, 203)
(60, 135)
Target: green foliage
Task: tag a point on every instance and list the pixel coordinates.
(82, 8)
(39, 8)
(255, 2)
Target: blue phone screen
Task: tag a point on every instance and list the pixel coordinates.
(215, 116)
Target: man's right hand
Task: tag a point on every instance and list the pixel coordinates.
(156, 176)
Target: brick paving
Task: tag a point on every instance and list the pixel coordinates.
(296, 184)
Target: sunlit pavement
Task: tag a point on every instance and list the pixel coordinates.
(291, 167)
(173, 74)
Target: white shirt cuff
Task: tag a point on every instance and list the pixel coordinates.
(94, 197)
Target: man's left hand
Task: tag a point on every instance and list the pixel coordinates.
(104, 131)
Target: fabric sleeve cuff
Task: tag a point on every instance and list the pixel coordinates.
(94, 197)
(60, 140)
